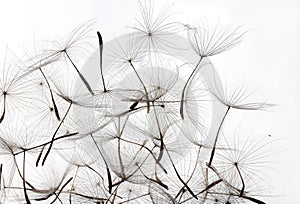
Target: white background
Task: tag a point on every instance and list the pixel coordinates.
(267, 60)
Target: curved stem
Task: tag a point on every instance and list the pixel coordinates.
(145, 89)
(181, 180)
(185, 86)
(214, 149)
(46, 143)
(243, 183)
(53, 137)
(216, 139)
(182, 190)
(223, 179)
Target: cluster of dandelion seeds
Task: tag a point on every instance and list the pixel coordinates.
(138, 119)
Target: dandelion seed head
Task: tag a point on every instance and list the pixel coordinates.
(131, 120)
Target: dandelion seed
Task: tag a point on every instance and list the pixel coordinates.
(49, 182)
(237, 98)
(15, 93)
(77, 44)
(243, 164)
(207, 43)
(153, 32)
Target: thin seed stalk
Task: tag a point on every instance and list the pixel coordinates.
(80, 75)
(53, 137)
(51, 94)
(144, 87)
(185, 86)
(4, 107)
(214, 149)
(217, 136)
(107, 169)
(243, 183)
(24, 182)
